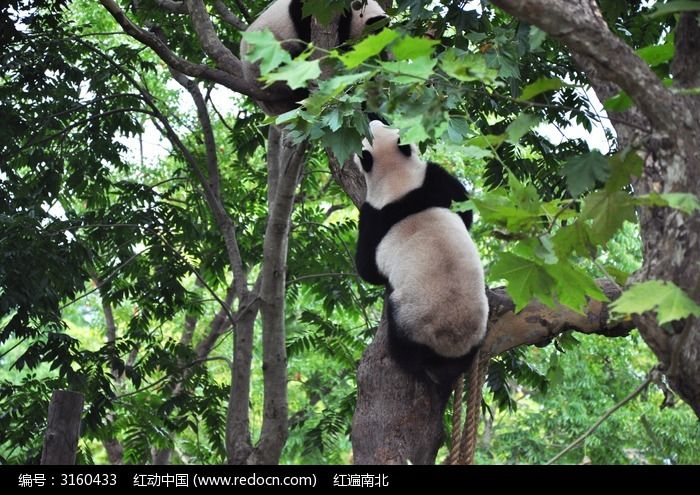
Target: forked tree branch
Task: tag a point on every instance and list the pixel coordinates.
(231, 80)
(211, 43)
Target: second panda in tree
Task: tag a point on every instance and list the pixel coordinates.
(410, 241)
(284, 18)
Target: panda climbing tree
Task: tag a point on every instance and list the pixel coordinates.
(482, 84)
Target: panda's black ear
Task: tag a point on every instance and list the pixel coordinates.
(405, 149)
(367, 161)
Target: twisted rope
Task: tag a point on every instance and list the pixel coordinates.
(457, 408)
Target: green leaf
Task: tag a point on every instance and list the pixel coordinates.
(520, 126)
(618, 103)
(410, 71)
(608, 211)
(498, 209)
(526, 280)
(574, 287)
(410, 47)
(488, 141)
(264, 47)
(412, 130)
(673, 8)
(657, 54)
(467, 67)
(574, 238)
(344, 142)
(323, 10)
(623, 165)
(686, 202)
(475, 153)
(620, 276)
(369, 47)
(537, 37)
(542, 85)
(668, 300)
(297, 73)
(583, 171)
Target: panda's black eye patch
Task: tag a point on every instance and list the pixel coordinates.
(367, 161)
(405, 149)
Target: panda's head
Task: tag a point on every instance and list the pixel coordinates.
(365, 15)
(391, 169)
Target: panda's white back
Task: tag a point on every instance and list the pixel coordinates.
(434, 269)
(276, 19)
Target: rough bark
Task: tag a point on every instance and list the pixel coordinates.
(239, 445)
(398, 418)
(63, 428)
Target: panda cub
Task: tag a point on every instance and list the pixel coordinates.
(410, 241)
(284, 19)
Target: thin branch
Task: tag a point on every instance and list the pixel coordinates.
(217, 327)
(319, 275)
(172, 6)
(244, 11)
(211, 193)
(105, 280)
(222, 119)
(228, 16)
(212, 187)
(605, 416)
(13, 347)
(72, 126)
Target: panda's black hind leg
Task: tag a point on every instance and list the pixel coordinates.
(421, 361)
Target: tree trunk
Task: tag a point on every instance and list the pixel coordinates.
(63, 428)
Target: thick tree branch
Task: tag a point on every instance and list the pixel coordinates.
(580, 25)
(538, 324)
(172, 6)
(686, 62)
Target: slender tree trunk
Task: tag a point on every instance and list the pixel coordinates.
(63, 428)
(274, 431)
(238, 442)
